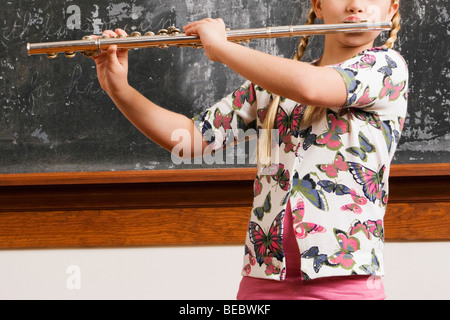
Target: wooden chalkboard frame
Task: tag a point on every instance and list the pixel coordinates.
(182, 207)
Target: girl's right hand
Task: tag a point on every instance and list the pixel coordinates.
(112, 65)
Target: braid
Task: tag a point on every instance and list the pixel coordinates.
(305, 39)
(394, 31)
(265, 140)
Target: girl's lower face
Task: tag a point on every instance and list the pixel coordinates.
(341, 11)
(332, 11)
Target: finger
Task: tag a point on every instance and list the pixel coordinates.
(193, 28)
(194, 24)
(110, 33)
(204, 21)
(220, 20)
(190, 25)
(121, 33)
(191, 31)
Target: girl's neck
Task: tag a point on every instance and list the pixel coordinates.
(334, 53)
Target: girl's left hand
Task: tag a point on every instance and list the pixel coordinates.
(212, 33)
(112, 65)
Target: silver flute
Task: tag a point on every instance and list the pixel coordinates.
(172, 37)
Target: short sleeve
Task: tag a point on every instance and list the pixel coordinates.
(375, 79)
(230, 118)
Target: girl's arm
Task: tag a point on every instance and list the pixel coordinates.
(298, 81)
(157, 123)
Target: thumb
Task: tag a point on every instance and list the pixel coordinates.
(112, 55)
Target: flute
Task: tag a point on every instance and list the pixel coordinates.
(173, 37)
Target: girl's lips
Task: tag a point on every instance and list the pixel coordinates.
(352, 20)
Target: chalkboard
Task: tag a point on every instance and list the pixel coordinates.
(54, 116)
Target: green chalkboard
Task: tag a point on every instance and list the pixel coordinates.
(54, 116)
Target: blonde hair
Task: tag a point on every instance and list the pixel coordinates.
(311, 113)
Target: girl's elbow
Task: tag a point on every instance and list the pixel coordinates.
(306, 96)
(324, 97)
(323, 88)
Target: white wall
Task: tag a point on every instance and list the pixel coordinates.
(414, 271)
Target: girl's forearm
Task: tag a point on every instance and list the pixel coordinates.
(298, 81)
(157, 123)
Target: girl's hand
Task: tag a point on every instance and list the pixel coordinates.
(112, 65)
(212, 33)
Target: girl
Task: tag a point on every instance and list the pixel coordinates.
(316, 229)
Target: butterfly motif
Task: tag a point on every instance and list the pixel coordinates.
(376, 228)
(368, 117)
(384, 198)
(206, 126)
(387, 70)
(331, 187)
(358, 202)
(369, 228)
(349, 245)
(242, 126)
(266, 208)
(303, 229)
(288, 145)
(309, 138)
(269, 243)
(319, 259)
(367, 61)
(262, 113)
(390, 135)
(371, 269)
(223, 121)
(242, 95)
(371, 181)
(307, 187)
(358, 226)
(336, 127)
(289, 124)
(332, 170)
(282, 177)
(269, 171)
(270, 267)
(365, 100)
(285, 199)
(247, 269)
(378, 49)
(349, 76)
(257, 187)
(252, 261)
(364, 148)
(392, 90)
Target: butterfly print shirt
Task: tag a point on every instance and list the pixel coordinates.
(335, 172)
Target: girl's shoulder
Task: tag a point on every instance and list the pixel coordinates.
(378, 51)
(378, 55)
